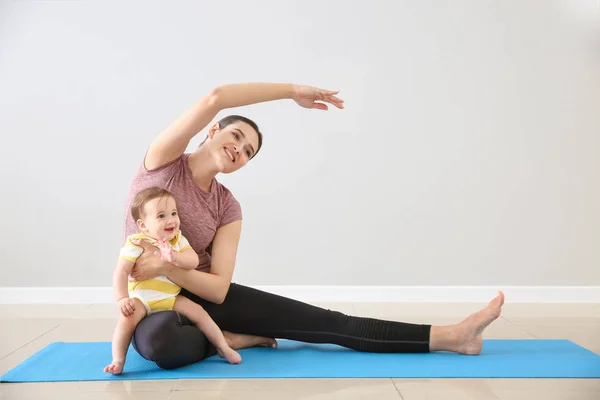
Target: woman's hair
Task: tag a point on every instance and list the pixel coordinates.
(143, 197)
(235, 118)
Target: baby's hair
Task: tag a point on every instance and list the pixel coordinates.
(140, 200)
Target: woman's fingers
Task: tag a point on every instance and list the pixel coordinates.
(329, 97)
(325, 92)
(136, 274)
(311, 97)
(335, 99)
(320, 106)
(142, 243)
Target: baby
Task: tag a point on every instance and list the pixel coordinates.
(155, 213)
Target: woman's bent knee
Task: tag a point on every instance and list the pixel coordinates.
(169, 340)
(154, 333)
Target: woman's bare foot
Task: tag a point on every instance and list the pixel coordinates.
(465, 337)
(231, 355)
(238, 341)
(115, 368)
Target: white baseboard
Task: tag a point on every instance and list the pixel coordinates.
(335, 294)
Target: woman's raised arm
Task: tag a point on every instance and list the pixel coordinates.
(172, 142)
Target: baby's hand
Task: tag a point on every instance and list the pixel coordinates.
(127, 306)
(166, 250)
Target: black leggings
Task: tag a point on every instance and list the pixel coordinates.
(172, 341)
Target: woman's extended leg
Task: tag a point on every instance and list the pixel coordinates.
(172, 341)
(465, 337)
(250, 311)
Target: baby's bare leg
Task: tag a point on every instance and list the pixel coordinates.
(122, 337)
(205, 323)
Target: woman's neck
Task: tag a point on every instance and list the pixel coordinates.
(203, 168)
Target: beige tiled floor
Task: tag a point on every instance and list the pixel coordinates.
(26, 329)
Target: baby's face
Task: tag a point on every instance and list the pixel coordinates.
(161, 219)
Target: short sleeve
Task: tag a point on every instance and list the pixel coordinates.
(232, 211)
(130, 251)
(183, 244)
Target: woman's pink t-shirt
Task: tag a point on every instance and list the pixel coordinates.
(201, 213)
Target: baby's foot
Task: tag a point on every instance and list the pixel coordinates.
(231, 355)
(115, 368)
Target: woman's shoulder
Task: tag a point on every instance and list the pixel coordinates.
(230, 208)
(144, 177)
(223, 191)
(169, 166)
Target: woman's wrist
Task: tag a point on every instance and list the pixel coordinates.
(167, 268)
(294, 90)
(291, 90)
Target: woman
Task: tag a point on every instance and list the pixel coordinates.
(211, 220)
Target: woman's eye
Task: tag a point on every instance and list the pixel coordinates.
(236, 135)
(248, 153)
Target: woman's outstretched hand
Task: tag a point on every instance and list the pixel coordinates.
(308, 97)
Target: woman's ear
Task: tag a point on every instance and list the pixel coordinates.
(213, 130)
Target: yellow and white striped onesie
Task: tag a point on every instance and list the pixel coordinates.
(157, 294)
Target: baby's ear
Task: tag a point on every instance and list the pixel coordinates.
(140, 224)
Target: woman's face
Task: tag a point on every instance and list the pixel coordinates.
(233, 146)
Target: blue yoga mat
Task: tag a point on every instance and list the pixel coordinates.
(499, 359)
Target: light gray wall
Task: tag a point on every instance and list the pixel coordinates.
(468, 153)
